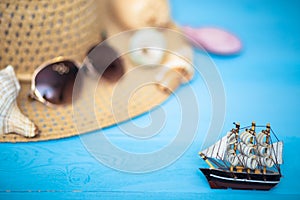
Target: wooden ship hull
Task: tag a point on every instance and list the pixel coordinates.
(223, 179)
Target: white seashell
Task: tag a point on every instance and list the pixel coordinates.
(11, 118)
(147, 47)
(177, 70)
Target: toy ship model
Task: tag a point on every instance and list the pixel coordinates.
(244, 161)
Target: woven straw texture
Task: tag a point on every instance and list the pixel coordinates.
(35, 31)
(58, 122)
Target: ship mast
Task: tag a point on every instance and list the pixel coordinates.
(268, 127)
(236, 132)
(252, 132)
(264, 148)
(246, 151)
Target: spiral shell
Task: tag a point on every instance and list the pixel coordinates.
(177, 70)
(11, 118)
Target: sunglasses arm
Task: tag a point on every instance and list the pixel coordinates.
(24, 78)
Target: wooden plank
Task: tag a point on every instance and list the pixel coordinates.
(269, 67)
(65, 165)
(73, 195)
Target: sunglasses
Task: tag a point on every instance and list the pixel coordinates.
(52, 82)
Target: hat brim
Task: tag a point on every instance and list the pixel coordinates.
(103, 102)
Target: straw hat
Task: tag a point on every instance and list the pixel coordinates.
(32, 32)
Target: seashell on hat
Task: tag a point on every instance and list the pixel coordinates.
(11, 118)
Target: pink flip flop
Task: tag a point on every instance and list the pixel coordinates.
(213, 40)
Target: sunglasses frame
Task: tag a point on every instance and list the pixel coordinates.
(34, 93)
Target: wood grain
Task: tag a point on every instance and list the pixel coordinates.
(65, 166)
(268, 69)
(138, 195)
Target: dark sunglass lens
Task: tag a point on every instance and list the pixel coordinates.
(55, 82)
(106, 62)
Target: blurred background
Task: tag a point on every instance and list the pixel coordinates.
(262, 83)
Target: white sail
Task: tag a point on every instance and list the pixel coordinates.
(244, 149)
(247, 137)
(230, 151)
(248, 162)
(265, 161)
(231, 138)
(276, 152)
(263, 151)
(217, 150)
(261, 139)
(233, 159)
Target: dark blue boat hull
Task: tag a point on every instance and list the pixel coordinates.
(223, 179)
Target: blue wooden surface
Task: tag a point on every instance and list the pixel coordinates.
(261, 84)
